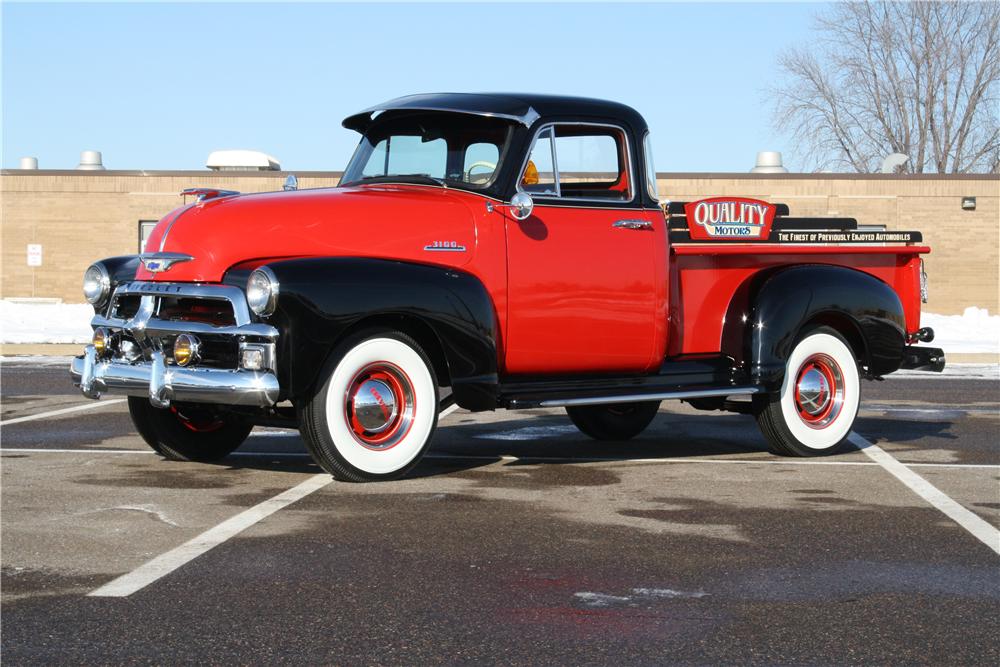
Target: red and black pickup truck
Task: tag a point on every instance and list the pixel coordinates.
(494, 251)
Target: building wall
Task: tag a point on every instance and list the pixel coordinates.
(81, 216)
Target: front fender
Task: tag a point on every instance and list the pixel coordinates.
(867, 310)
(321, 298)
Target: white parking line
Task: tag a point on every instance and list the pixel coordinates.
(53, 413)
(979, 528)
(166, 563)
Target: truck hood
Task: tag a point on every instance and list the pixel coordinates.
(384, 221)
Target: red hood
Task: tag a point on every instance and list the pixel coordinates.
(387, 221)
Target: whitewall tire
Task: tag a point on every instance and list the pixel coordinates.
(815, 410)
(375, 412)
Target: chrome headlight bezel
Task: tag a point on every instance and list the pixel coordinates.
(96, 284)
(262, 291)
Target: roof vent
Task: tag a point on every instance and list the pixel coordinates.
(28, 163)
(90, 161)
(893, 162)
(769, 162)
(241, 160)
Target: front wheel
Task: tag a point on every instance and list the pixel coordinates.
(814, 412)
(188, 432)
(619, 421)
(375, 413)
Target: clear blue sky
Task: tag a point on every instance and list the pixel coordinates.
(158, 86)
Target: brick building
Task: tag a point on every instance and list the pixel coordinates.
(78, 216)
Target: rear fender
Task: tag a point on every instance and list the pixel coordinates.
(322, 298)
(866, 310)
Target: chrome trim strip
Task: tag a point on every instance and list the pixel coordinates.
(529, 117)
(197, 385)
(638, 398)
(166, 232)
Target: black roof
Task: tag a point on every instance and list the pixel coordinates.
(522, 108)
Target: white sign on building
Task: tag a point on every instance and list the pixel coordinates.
(34, 254)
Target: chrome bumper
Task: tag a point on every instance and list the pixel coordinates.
(163, 384)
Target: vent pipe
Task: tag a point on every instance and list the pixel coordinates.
(28, 163)
(769, 162)
(90, 161)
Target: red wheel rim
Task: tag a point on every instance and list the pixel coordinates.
(199, 423)
(819, 391)
(379, 406)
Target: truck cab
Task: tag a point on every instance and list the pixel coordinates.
(494, 251)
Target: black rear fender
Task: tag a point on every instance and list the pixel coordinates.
(865, 310)
(448, 311)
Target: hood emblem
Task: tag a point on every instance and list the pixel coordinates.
(156, 262)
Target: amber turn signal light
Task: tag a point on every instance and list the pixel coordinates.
(186, 349)
(101, 341)
(530, 174)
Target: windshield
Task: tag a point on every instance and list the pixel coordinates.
(456, 150)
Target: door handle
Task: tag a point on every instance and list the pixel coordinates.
(633, 224)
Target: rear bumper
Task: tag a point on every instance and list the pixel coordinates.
(923, 358)
(162, 384)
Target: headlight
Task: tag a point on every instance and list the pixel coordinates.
(262, 291)
(96, 284)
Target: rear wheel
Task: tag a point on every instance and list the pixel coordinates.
(618, 421)
(188, 432)
(814, 412)
(375, 414)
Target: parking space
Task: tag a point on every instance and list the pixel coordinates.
(516, 541)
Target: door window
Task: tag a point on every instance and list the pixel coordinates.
(578, 161)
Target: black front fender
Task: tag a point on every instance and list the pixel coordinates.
(865, 309)
(320, 299)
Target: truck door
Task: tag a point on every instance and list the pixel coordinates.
(582, 273)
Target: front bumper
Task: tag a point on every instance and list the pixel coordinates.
(163, 384)
(149, 329)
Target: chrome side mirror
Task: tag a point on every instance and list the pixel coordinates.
(291, 183)
(521, 205)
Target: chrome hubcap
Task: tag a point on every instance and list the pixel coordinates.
(374, 405)
(819, 391)
(380, 406)
(814, 392)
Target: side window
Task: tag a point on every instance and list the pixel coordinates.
(480, 163)
(647, 153)
(539, 175)
(591, 162)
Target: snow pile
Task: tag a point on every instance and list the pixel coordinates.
(29, 322)
(975, 330)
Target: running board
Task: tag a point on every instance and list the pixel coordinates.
(659, 396)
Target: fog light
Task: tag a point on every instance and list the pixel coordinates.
(186, 349)
(101, 341)
(252, 358)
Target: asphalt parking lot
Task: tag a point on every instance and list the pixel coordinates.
(517, 541)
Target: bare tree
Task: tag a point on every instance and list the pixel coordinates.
(918, 78)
